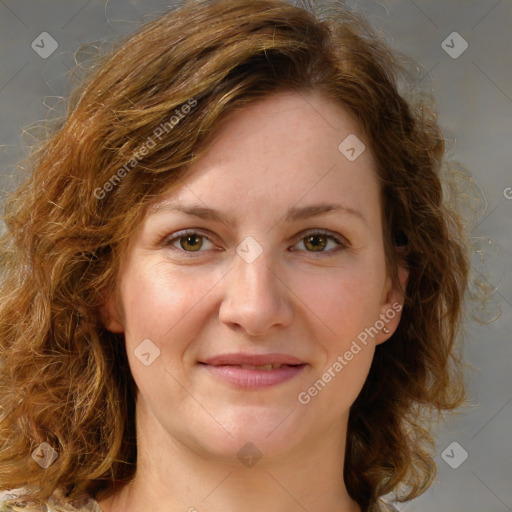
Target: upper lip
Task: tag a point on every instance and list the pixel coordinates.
(252, 359)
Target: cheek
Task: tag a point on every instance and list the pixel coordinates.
(153, 299)
(158, 307)
(163, 305)
(346, 303)
(346, 299)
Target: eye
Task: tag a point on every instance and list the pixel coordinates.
(317, 240)
(189, 241)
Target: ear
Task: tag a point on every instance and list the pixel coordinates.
(392, 306)
(110, 315)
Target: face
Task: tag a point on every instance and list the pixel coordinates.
(259, 269)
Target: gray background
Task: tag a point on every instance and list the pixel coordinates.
(474, 98)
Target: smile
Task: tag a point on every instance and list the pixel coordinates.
(246, 376)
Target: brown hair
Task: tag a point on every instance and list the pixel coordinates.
(65, 379)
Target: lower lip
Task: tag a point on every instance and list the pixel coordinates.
(254, 379)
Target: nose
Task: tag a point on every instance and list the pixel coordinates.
(255, 299)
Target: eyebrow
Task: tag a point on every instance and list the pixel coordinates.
(294, 214)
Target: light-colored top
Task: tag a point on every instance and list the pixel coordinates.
(88, 504)
(54, 504)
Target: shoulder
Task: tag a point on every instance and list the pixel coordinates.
(11, 501)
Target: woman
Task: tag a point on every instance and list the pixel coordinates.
(231, 282)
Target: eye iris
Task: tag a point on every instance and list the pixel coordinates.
(316, 246)
(187, 240)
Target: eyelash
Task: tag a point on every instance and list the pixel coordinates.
(341, 244)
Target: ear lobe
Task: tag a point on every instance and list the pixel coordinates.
(110, 314)
(392, 308)
(403, 276)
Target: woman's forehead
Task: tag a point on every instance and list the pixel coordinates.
(294, 174)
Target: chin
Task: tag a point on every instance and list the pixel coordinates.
(249, 437)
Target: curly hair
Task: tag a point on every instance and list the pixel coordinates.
(65, 379)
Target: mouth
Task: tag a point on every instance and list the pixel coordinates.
(254, 360)
(264, 367)
(254, 371)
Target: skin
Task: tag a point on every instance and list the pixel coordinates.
(275, 154)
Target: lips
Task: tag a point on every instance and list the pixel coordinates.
(252, 371)
(253, 360)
